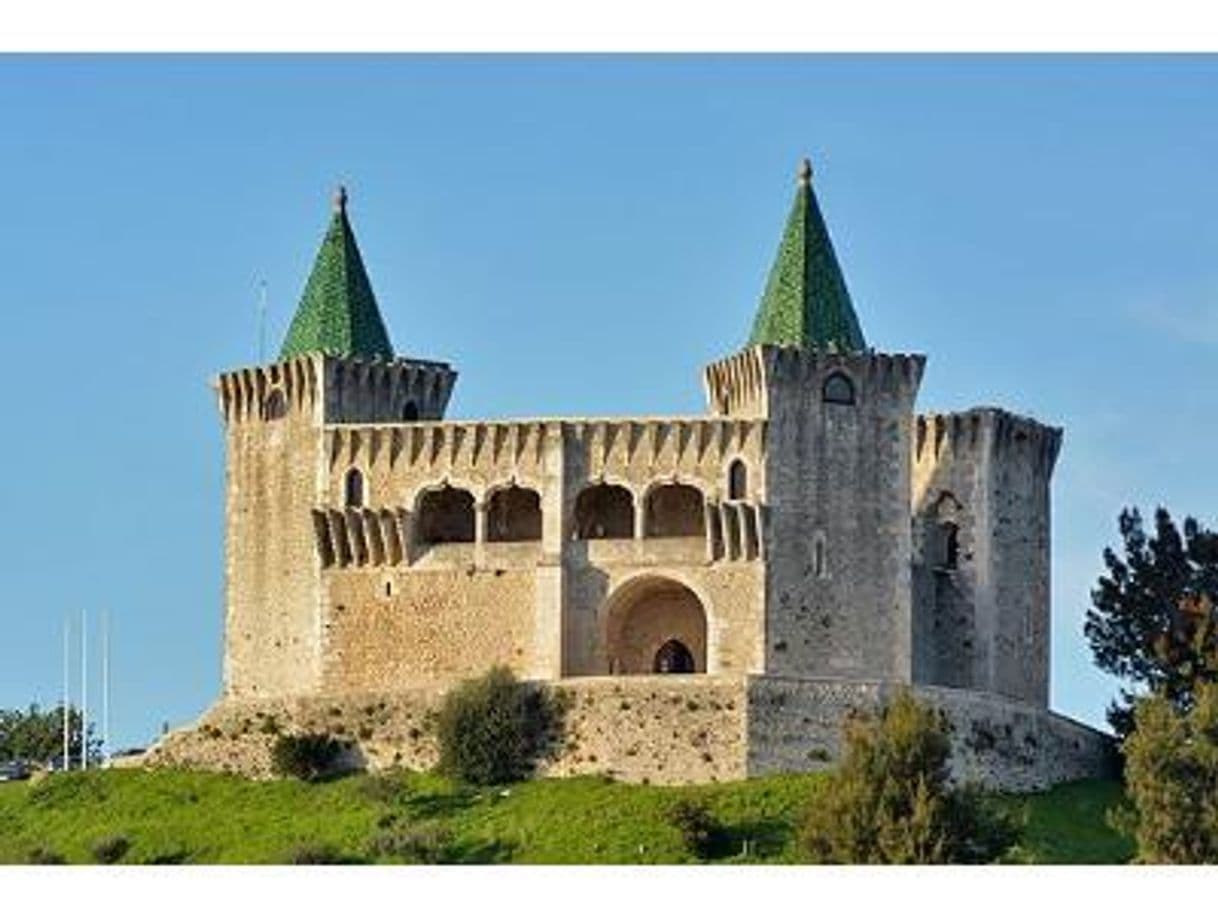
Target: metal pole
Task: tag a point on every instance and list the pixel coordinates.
(105, 634)
(84, 692)
(67, 650)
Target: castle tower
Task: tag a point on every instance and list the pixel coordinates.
(981, 561)
(836, 478)
(336, 366)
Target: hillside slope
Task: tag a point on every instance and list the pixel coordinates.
(190, 817)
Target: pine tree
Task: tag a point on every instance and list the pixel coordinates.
(1154, 620)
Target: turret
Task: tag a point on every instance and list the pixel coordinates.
(981, 551)
(337, 366)
(837, 472)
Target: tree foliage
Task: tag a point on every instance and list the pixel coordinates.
(492, 729)
(1171, 775)
(1154, 620)
(36, 735)
(890, 800)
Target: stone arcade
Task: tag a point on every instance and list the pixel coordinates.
(715, 592)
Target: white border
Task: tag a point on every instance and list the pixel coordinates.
(621, 25)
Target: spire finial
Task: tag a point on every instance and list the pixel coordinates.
(805, 173)
(340, 199)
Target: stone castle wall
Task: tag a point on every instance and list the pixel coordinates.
(796, 725)
(542, 606)
(661, 730)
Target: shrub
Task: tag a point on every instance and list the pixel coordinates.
(890, 800)
(307, 756)
(700, 831)
(44, 856)
(493, 729)
(1171, 777)
(111, 849)
(424, 843)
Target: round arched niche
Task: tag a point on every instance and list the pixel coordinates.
(655, 625)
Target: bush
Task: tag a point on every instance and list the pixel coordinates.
(700, 831)
(1171, 777)
(493, 729)
(44, 856)
(111, 849)
(307, 756)
(425, 843)
(890, 801)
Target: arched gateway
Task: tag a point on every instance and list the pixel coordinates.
(655, 625)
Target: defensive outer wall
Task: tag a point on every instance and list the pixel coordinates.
(662, 730)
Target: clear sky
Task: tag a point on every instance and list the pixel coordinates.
(578, 236)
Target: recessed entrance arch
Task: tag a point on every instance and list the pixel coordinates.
(654, 624)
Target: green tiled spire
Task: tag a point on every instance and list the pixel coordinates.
(806, 302)
(337, 314)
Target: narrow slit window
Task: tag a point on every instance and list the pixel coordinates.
(353, 489)
(737, 481)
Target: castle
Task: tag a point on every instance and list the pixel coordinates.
(716, 592)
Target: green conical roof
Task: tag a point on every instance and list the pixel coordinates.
(337, 313)
(805, 301)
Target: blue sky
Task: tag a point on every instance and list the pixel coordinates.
(579, 236)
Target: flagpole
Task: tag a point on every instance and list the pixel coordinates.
(105, 659)
(84, 692)
(67, 650)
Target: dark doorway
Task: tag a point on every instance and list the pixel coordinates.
(673, 657)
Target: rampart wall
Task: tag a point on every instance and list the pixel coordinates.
(663, 730)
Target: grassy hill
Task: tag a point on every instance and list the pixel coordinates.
(190, 817)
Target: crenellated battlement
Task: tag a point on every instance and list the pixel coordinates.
(438, 445)
(735, 385)
(743, 383)
(257, 391)
(676, 443)
(670, 444)
(374, 390)
(1003, 433)
(355, 390)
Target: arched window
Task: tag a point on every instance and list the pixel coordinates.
(946, 532)
(737, 481)
(673, 657)
(949, 545)
(604, 512)
(445, 515)
(513, 515)
(275, 406)
(675, 510)
(819, 568)
(410, 412)
(353, 489)
(838, 389)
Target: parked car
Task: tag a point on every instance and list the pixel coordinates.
(14, 771)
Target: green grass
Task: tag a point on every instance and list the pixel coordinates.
(192, 817)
